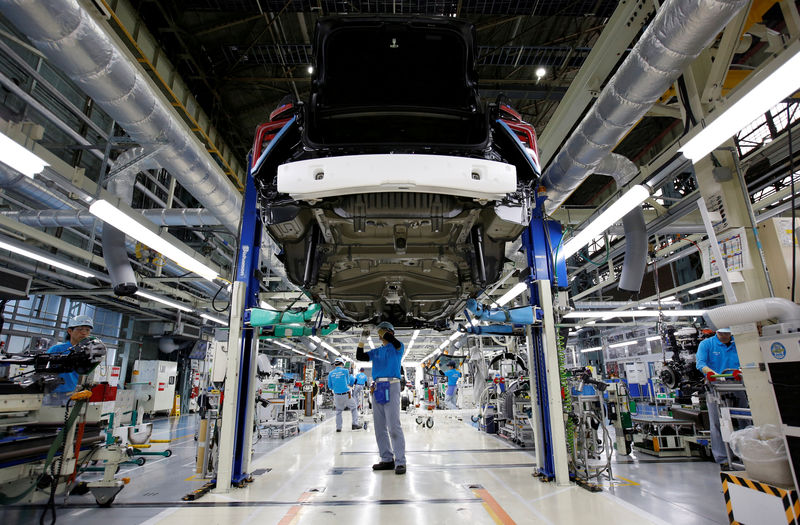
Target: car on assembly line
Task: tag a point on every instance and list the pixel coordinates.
(393, 190)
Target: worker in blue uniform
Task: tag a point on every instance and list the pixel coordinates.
(452, 385)
(340, 381)
(78, 329)
(717, 355)
(358, 387)
(386, 397)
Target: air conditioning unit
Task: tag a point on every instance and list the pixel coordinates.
(14, 285)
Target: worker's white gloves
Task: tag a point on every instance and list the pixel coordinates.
(364, 335)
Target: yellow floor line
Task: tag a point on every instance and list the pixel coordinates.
(494, 509)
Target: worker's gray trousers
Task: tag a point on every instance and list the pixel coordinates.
(358, 394)
(450, 400)
(386, 419)
(718, 448)
(340, 402)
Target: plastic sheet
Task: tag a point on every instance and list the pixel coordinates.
(764, 454)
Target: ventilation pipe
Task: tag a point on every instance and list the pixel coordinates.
(635, 261)
(784, 310)
(73, 41)
(188, 217)
(677, 35)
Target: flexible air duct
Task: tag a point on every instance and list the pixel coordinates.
(189, 217)
(679, 32)
(635, 262)
(70, 38)
(778, 308)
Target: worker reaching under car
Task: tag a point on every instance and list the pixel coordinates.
(386, 408)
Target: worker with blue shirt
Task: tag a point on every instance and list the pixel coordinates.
(340, 381)
(717, 355)
(78, 329)
(358, 387)
(452, 385)
(386, 397)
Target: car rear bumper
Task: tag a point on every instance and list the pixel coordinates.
(346, 175)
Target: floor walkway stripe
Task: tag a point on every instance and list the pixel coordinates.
(293, 514)
(494, 509)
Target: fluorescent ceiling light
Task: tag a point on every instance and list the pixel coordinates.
(592, 349)
(266, 306)
(371, 344)
(315, 338)
(636, 313)
(626, 343)
(214, 319)
(413, 363)
(283, 345)
(455, 336)
(19, 157)
(512, 293)
(776, 86)
(132, 226)
(626, 202)
(653, 338)
(415, 335)
(44, 259)
(667, 299)
(705, 288)
(156, 298)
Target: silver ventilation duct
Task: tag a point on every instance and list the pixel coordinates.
(623, 171)
(677, 35)
(70, 38)
(189, 217)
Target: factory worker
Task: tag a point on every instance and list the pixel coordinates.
(358, 387)
(452, 385)
(386, 398)
(78, 329)
(716, 355)
(339, 381)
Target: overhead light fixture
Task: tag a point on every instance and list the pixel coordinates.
(592, 349)
(19, 157)
(705, 288)
(540, 72)
(136, 228)
(19, 250)
(667, 299)
(266, 306)
(653, 338)
(626, 343)
(627, 201)
(636, 313)
(779, 82)
(371, 344)
(310, 70)
(167, 302)
(283, 345)
(512, 293)
(214, 319)
(454, 336)
(410, 344)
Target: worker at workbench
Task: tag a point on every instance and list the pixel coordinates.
(386, 407)
(358, 387)
(78, 328)
(340, 381)
(717, 355)
(452, 385)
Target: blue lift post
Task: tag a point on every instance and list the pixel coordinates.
(541, 240)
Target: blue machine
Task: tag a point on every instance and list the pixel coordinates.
(541, 240)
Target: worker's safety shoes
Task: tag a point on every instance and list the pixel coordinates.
(383, 465)
(400, 469)
(355, 427)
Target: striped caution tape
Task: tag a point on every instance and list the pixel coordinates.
(791, 506)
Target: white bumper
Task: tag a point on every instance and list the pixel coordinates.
(346, 175)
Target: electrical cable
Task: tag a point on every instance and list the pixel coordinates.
(794, 196)
(213, 303)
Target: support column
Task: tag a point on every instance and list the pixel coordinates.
(721, 187)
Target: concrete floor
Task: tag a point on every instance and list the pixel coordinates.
(455, 474)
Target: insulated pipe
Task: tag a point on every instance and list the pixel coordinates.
(677, 35)
(190, 217)
(778, 308)
(635, 261)
(69, 37)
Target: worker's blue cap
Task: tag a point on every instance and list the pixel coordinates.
(386, 325)
(80, 320)
(361, 369)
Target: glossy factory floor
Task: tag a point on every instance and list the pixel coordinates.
(455, 475)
